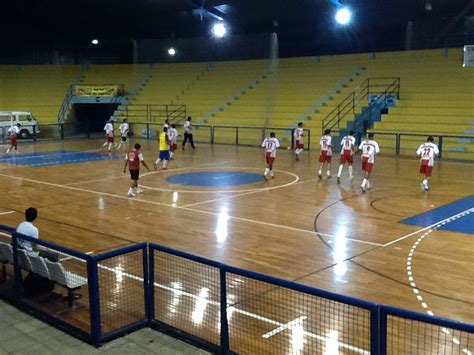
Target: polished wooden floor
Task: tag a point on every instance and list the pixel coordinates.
(295, 227)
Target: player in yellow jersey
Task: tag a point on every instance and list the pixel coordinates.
(164, 149)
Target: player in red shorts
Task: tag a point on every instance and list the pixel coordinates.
(347, 151)
(109, 135)
(427, 152)
(13, 132)
(270, 145)
(173, 136)
(133, 160)
(299, 144)
(369, 149)
(326, 153)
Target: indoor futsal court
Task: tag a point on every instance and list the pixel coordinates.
(393, 245)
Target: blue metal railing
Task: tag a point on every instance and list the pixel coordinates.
(377, 318)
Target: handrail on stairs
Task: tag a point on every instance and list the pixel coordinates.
(382, 86)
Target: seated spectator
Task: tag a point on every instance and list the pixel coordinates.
(27, 228)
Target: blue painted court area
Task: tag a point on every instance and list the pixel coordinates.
(463, 224)
(55, 157)
(215, 178)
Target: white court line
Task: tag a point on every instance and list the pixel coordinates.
(469, 210)
(411, 256)
(62, 259)
(4, 213)
(234, 309)
(182, 208)
(16, 157)
(226, 191)
(145, 174)
(289, 325)
(297, 178)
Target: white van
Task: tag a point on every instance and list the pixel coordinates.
(29, 124)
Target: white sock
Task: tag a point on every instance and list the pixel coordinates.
(320, 172)
(271, 172)
(157, 161)
(266, 171)
(328, 173)
(105, 144)
(8, 150)
(350, 170)
(165, 164)
(340, 170)
(364, 182)
(171, 155)
(110, 146)
(298, 151)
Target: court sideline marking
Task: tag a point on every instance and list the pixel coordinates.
(4, 213)
(182, 208)
(411, 278)
(426, 228)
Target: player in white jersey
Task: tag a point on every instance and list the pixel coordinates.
(270, 145)
(369, 149)
(188, 132)
(348, 144)
(326, 153)
(173, 137)
(124, 129)
(299, 144)
(13, 133)
(427, 152)
(109, 135)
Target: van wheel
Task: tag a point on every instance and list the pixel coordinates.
(24, 134)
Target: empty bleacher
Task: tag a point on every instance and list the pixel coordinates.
(39, 89)
(436, 93)
(436, 97)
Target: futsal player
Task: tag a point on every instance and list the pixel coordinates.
(298, 136)
(188, 133)
(326, 153)
(109, 135)
(427, 152)
(13, 132)
(164, 150)
(173, 137)
(124, 129)
(369, 149)
(270, 145)
(348, 144)
(133, 160)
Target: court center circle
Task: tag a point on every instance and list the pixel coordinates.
(215, 178)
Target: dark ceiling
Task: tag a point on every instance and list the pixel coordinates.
(29, 22)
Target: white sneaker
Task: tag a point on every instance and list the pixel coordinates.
(426, 187)
(363, 188)
(369, 186)
(139, 191)
(131, 194)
